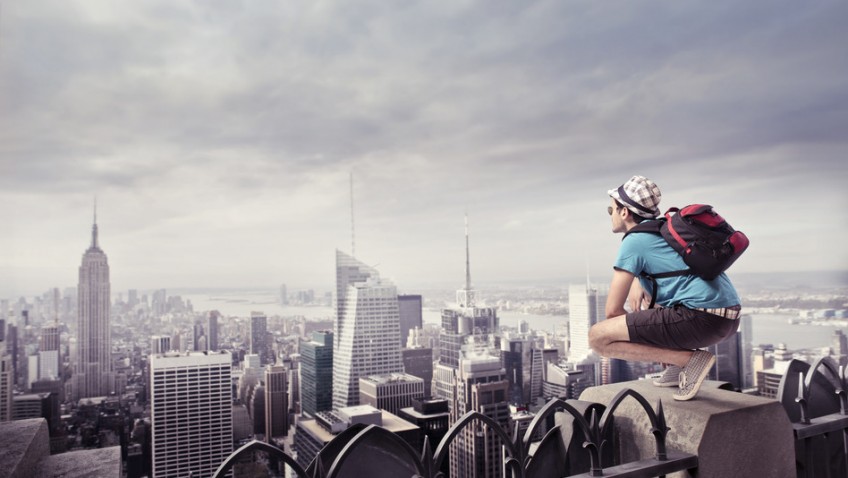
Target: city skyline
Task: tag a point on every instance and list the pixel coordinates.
(220, 139)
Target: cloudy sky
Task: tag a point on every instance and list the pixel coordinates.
(219, 136)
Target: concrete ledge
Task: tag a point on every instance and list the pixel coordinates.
(733, 434)
(98, 463)
(25, 453)
(24, 444)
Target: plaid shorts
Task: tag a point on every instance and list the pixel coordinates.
(678, 327)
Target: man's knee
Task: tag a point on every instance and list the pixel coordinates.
(597, 339)
(606, 332)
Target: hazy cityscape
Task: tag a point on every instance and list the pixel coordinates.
(294, 367)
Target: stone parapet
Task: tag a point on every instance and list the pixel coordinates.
(733, 434)
(25, 453)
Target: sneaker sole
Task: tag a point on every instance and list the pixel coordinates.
(666, 384)
(698, 383)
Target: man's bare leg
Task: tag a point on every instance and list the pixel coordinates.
(610, 338)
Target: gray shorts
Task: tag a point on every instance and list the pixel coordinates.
(678, 327)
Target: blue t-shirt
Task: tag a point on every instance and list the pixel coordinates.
(651, 253)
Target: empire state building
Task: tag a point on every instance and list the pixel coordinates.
(94, 376)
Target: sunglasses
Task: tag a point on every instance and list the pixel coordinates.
(609, 210)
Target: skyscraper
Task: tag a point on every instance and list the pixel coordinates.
(465, 323)
(159, 344)
(316, 373)
(409, 309)
(190, 413)
(367, 340)
(586, 306)
(48, 351)
(276, 402)
(212, 330)
(482, 387)
(94, 361)
(7, 385)
(259, 337)
(470, 376)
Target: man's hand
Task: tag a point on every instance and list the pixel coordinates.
(636, 299)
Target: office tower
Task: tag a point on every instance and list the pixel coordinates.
(839, 347)
(390, 392)
(7, 384)
(517, 356)
(465, 323)
(293, 374)
(13, 350)
(276, 402)
(537, 372)
(409, 310)
(316, 373)
(586, 307)
(50, 361)
(432, 417)
(482, 387)
(212, 330)
(191, 413)
(94, 361)
(367, 340)
(36, 405)
(259, 337)
(256, 406)
(31, 371)
(419, 362)
(199, 342)
(160, 344)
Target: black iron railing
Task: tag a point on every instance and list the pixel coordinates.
(376, 452)
(815, 400)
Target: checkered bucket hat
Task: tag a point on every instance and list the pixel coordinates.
(640, 195)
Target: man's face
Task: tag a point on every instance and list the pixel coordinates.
(617, 217)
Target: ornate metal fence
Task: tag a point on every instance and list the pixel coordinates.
(375, 452)
(815, 399)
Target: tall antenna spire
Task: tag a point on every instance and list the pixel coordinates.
(467, 257)
(352, 230)
(465, 296)
(94, 244)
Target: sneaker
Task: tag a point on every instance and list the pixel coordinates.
(670, 377)
(693, 374)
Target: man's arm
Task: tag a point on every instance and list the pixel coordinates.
(618, 292)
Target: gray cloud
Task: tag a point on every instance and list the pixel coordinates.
(220, 135)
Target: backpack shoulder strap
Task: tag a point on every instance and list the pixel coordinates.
(651, 226)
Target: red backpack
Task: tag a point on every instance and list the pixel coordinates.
(705, 241)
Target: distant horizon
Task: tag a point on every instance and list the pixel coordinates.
(834, 278)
